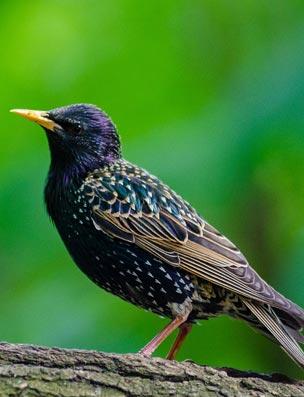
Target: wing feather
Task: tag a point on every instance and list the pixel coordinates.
(137, 207)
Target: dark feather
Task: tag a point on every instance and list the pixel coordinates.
(176, 234)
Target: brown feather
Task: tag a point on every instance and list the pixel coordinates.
(180, 237)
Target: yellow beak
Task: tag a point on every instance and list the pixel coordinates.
(38, 116)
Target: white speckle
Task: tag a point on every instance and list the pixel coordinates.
(97, 257)
(162, 290)
(148, 263)
(154, 302)
(150, 294)
(181, 281)
(179, 291)
(157, 281)
(87, 218)
(120, 261)
(80, 222)
(138, 269)
(162, 269)
(176, 285)
(80, 210)
(187, 287)
(74, 216)
(121, 273)
(138, 280)
(150, 274)
(168, 276)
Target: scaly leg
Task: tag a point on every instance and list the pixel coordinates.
(184, 330)
(159, 338)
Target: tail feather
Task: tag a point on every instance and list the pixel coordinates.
(284, 335)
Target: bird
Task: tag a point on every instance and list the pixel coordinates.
(136, 238)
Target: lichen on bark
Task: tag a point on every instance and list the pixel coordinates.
(32, 371)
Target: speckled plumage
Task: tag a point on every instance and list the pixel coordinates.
(136, 238)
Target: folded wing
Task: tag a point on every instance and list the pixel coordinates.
(132, 205)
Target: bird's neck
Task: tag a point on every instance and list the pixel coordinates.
(64, 178)
(60, 182)
(69, 171)
(70, 164)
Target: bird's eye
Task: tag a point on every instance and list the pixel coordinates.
(73, 127)
(77, 127)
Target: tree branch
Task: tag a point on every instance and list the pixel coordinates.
(27, 370)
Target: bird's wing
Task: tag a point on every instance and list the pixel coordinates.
(130, 204)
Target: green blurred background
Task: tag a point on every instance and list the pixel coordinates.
(208, 95)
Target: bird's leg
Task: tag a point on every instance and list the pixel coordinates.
(159, 338)
(184, 330)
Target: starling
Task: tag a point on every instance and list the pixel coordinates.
(135, 237)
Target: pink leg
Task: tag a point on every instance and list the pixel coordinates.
(184, 330)
(159, 338)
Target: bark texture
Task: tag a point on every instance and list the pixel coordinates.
(27, 370)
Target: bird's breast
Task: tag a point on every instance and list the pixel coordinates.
(117, 266)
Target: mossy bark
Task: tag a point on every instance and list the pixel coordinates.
(27, 371)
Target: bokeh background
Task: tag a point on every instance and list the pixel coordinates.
(208, 95)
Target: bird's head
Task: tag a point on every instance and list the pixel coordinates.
(81, 137)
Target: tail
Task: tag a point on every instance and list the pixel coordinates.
(285, 335)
